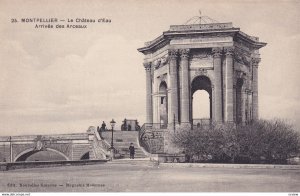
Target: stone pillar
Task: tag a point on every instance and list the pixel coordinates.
(217, 113)
(249, 106)
(149, 106)
(173, 88)
(185, 87)
(255, 62)
(229, 84)
(235, 108)
(243, 105)
(213, 103)
(91, 137)
(156, 112)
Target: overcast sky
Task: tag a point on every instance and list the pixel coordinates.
(64, 80)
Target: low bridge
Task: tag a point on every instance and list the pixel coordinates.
(69, 147)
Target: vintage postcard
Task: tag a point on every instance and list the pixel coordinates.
(149, 96)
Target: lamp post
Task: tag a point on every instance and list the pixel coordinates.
(112, 152)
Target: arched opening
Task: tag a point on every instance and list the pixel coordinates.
(43, 155)
(163, 105)
(86, 156)
(201, 101)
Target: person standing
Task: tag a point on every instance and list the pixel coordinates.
(131, 150)
(103, 126)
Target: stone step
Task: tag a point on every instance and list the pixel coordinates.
(119, 139)
(137, 150)
(120, 136)
(121, 132)
(78, 151)
(125, 145)
(122, 142)
(127, 152)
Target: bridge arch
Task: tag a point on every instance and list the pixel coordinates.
(28, 152)
(85, 156)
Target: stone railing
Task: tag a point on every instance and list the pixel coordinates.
(100, 147)
(197, 123)
(104, 145)
(151, 138)
(201, 26)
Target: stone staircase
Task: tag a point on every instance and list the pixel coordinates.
(122, 140)
(77, 151)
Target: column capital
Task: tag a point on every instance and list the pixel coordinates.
(229, 51)
(217, 52)
(255, 61)
(147, 66)
(173, 53)
(184, 53)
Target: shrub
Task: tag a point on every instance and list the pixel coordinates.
(273, 141)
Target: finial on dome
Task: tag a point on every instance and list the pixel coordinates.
(200, 19)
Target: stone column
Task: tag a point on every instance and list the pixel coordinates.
(213, 103)
(185, 87)
(217, 113)
(173, 87)
(234, 100)
(149, 106)
(255, 62)
(249, 106)
(229, 84)
(243, 105)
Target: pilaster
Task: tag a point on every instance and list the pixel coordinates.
(149, 106)
(185, 89)
(173, 113)
(217, 112)
(255, 62)
(229, 84)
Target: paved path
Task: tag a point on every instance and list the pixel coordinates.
(144, 176)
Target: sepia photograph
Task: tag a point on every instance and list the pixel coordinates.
(174, 96)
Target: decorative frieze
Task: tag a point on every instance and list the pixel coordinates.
(241, 57)
(201, 71)
(160, 62)
(201, 59)
(165, 60)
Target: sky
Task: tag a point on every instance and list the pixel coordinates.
(65, 80)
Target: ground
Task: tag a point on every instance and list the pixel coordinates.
(144, 176)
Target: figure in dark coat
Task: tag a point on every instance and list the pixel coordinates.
(103, 126)
(131, 150)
